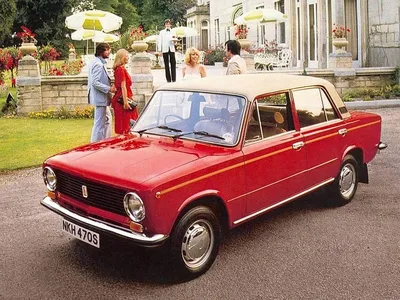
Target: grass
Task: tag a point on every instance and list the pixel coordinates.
(28, 142)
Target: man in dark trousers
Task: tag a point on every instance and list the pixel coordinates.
(166, 46)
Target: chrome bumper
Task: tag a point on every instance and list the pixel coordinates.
(137, 238)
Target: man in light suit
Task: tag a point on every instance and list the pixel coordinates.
(99, 89)
(166, 46)
(236, 63)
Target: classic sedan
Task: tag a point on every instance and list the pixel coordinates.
(208, 155)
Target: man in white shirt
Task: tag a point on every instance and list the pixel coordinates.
(236, 64)
(166, 46)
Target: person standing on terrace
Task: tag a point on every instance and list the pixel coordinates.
(167, 47)
(236, 64)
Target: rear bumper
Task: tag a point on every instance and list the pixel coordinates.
(137, 238)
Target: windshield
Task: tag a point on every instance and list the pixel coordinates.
(213, 118)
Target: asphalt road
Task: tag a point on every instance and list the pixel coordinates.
(301, 251)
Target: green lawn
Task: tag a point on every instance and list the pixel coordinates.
(28, 142)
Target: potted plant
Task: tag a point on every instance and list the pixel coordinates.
(339, 37)
(241, 32)
(28, 41)
(137, 36)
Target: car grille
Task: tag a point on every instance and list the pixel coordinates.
(101, 196)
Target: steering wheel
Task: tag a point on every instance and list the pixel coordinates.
(172, 116)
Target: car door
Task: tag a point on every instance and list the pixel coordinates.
(274, 154)
(323, 132)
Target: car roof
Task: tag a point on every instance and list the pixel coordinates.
(252, 85)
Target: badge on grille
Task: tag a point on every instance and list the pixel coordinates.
(84, 191)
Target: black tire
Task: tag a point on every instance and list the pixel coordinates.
(343, 189)
(199, 227)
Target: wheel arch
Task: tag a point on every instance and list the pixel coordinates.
(358, 154)
(210, 199)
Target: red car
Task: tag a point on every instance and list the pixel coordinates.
(208, 155)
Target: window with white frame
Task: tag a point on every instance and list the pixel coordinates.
(217, 32)
(280, 6)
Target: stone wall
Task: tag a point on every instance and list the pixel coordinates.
(384, 33)
(36, 93)
(346, 79)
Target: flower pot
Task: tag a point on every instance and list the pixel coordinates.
(27, 48)
(339, 44)
(244, 43)
(219, 64)
(139, 46)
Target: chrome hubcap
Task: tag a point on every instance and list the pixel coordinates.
(197, 244)
(347, 181)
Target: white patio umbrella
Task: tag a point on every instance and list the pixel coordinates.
(263, 15)
(95, 20)
(183, 31)
(85, 34)
(151, 38)
(105, 38)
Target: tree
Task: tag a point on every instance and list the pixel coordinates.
(156, 11)
(46, 18)
(7, 13)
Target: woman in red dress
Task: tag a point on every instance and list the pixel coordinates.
(122, 80)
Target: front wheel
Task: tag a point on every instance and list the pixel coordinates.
(343, 189)
(195, 242)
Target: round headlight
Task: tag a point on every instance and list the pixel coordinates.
(134, 207)
(50, 179)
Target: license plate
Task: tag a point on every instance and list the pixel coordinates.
(83, 234)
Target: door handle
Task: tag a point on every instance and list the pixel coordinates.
(297, 146)
(342, 131)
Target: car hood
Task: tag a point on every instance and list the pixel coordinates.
(128, 158)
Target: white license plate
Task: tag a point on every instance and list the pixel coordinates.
(83, 234)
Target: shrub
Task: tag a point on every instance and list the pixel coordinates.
(64, 113)
(213, 55)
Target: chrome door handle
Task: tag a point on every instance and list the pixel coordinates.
(342, 131)
(297, 146)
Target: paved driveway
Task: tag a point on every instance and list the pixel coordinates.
(300, 251)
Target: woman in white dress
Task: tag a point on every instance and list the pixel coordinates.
(192, 68)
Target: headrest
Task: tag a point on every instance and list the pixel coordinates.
(216, 113)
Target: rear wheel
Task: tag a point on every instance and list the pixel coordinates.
(195, 242)
(343, 189)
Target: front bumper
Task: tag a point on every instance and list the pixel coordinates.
(140, 239)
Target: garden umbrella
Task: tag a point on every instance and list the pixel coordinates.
(263, 15)
(183, 31)
(151, 39)
(94, 20)
(105, 38)
(85, 34)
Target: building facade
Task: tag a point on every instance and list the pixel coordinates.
(198, 17)
(373, 40)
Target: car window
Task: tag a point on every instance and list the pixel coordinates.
(313, 107)
(216, 116)
(329, 111)
(270, 116)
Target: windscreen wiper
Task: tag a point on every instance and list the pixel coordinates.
(204, 133)
(160, 127)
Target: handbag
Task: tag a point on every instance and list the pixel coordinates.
(132, 103)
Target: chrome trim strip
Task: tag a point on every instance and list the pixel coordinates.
(135, 237)
(282, 202)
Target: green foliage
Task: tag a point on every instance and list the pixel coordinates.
(46, 18)
(154, 12)
(214, 55)
(8, 10)
(369, 93)
(64, 113)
